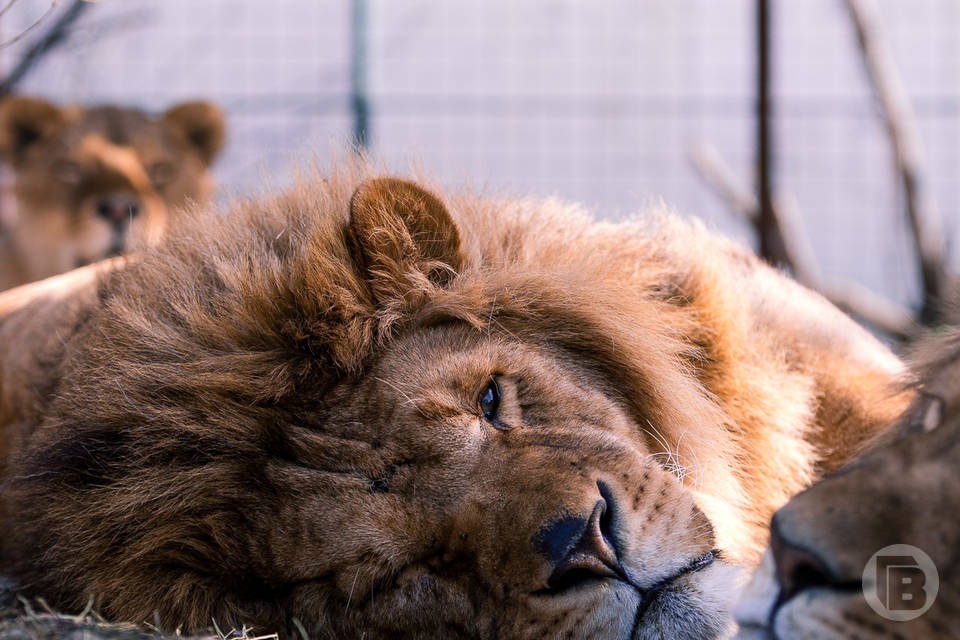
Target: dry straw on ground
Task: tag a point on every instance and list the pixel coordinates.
(23, 620)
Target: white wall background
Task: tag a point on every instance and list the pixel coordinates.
(599, 101)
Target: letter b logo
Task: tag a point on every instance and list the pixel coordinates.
(900, 582)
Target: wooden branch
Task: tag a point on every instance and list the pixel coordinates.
(7, 7)
(711, 167)
(51, 38)
(872, 308)
(900, 120)
(796, 242)
(770, 245)
(36, 23)
(795, 251)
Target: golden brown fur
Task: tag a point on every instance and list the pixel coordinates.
(903, 492)
(279, 415)
(92, 182)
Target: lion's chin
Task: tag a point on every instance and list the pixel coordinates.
(697, 606)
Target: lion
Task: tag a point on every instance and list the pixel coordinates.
(369, 408)
(94, 182)
(902, 492)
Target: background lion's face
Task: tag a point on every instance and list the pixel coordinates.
(823, 540)
(543, 517)
(90, 183)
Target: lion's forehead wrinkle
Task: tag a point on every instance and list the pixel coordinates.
(333, 458)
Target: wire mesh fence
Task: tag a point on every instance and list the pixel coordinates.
(600, 102)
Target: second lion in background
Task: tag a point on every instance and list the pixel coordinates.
(94, 182)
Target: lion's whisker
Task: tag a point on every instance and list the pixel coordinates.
(352, 587)
(408, 399)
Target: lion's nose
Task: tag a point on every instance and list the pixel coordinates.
(798, 567)
(581, 549)
(118, 208)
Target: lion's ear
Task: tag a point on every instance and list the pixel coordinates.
(24, 122)
(202, 126)
(403, 234)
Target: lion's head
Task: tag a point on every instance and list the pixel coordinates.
(902, 493)
(364, 411)
(94, 182)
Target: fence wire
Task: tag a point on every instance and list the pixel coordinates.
(599, 102)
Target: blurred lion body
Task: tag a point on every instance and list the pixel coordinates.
(94, 182)
(374, 411)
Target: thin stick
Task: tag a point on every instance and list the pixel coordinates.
(20, 36)
(711, 167)
(770, 249)
(872, 308)
(6, 8)
(784, 214)
(901, 124)
(796, 242)
(358, 76)
(53, 37)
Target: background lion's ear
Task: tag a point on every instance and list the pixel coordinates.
(403, 233)
(201, 124)
(25, 121)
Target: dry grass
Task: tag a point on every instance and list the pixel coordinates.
(24, 620)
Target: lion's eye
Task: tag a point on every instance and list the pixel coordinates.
(490, 403)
